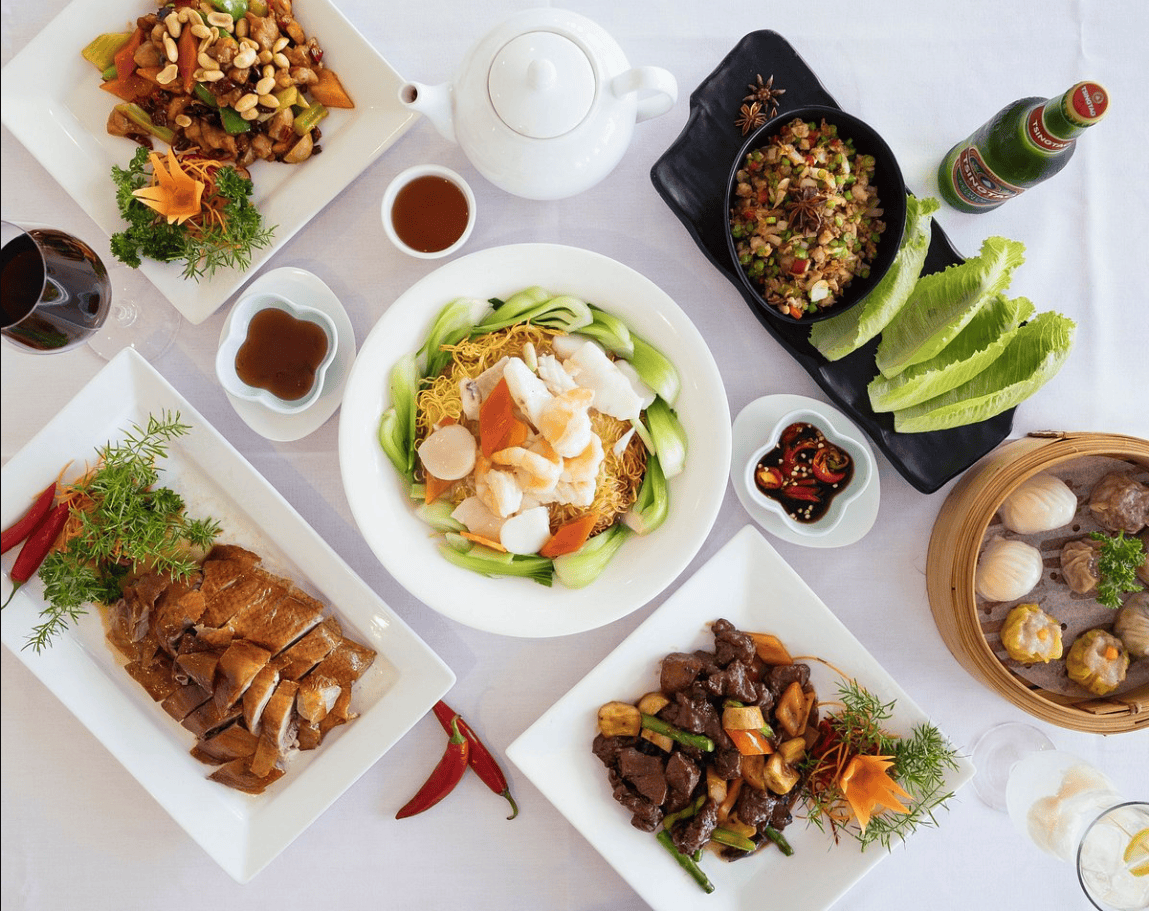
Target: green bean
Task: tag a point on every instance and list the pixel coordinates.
(698, 741)
(685, 862)
(732, 839)
(779, 839)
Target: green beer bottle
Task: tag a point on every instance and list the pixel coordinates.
(1023, 144)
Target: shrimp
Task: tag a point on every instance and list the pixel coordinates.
(496, 489)
(579, 478)
(565, 423)
(537, 468)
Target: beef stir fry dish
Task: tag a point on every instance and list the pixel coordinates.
(710, 759)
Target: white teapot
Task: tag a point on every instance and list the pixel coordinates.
(545, 104)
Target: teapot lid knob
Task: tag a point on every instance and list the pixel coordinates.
(541, 84)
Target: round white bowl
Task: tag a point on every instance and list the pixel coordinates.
(405, 177)
(863, 470)
(245, 309)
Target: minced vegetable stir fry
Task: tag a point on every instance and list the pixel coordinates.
(806, 217)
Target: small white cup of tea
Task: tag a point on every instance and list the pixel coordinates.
(428, 211)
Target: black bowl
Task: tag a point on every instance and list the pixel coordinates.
(891, 189)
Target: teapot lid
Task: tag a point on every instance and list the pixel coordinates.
(541, 84)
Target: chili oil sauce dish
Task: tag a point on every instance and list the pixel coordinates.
(306, 291)
(428, 211)
(851, 510)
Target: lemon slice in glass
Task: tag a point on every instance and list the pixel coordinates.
(1137, 853)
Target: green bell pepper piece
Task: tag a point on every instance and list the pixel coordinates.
(233, 122)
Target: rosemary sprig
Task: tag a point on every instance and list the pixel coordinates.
(920, 764)
(124, 521)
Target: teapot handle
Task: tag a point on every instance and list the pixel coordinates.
(650, 79)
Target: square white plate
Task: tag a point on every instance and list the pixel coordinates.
(52, 103)
(242, 833)
(749, 584)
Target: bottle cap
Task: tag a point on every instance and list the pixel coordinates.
(1085, 103)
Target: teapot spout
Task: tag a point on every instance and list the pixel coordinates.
(434, 102)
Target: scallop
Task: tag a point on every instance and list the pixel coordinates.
(1040, 503)
(448, 453)
(1007, 570)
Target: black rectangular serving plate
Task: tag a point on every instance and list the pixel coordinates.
(691, 178)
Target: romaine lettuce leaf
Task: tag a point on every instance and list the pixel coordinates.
(843, 334)
(1030, 360)
(978, 345)
(944, 302)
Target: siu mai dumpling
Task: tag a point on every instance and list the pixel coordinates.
(1079, 559)
(1098, 661)
(1031, 636)
(1007, 570)
(1119, 502)
(1040, 503)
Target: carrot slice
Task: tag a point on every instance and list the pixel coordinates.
(125, 56)
(129, 88)
(487, 542)
(434, 487)
(569, 537)
(186, 62)
(751, 743)
(498, 426)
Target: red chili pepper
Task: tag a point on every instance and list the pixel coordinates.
(830, 465)
(480, 758)
(25, 526)
(768, 478)
(36, 548)
(447, 774)
(801, 492)
(790, 455)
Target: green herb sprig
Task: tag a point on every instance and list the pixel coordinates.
(1117, 565)
(131, 523)
(920, 762)
(202, 248)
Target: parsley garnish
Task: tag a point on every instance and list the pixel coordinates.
(124, 521)
(203, 249)
(1117, 565)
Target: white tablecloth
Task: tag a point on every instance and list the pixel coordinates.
(78, 832)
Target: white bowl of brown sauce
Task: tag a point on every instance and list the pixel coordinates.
(808, 472)
(276, 352)
(428, 211)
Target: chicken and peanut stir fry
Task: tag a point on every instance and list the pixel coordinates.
(237, 80)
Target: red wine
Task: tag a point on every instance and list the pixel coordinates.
(54, 291)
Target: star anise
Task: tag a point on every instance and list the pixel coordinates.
(750, 117)
(805, 213)
(765, 94)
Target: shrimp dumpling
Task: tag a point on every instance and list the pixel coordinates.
(1132, 625)
(1030, 635)
(1040, 503)
(1007, 570)
(1098, 661)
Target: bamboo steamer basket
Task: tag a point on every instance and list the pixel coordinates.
(952, 558)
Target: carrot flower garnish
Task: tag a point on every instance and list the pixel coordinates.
(174, 193)
(865, 785)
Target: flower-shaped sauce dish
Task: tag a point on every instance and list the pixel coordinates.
(808, 472)
(276, 352)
